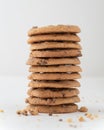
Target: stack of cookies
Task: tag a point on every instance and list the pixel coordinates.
(54, 69)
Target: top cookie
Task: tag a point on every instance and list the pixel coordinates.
(54, 29)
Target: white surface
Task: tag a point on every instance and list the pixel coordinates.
(13, 95)
(17, 16)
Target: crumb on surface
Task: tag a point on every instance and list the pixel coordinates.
(90, 116)
(81, 119)
(27, 112)
(1, 110)
(22, 112)
(69, 120)
(83, 109)
(60, 119)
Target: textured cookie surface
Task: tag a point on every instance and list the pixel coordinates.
(56, 53)
(54, 84)
(54, 37)
(54, 29)
(54, 76)
(53, 45)
(61, 68)
(53, 93)
(66, 108)
(52, 61)
(52, 101)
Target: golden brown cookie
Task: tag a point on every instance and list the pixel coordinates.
(54, 84)
(53, 92)
(54, 76)
(56, 53)
(58, 109)
(52, 101)
(54, 29)
(54, 37)
(52, 61)
(60, 68)
(53, 45)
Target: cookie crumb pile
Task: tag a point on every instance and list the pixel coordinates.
(54, 67)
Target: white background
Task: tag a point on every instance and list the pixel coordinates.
(18, 16)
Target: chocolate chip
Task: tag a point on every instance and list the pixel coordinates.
(63, 94)
(42, 62)
(60, 119)
(53, 100)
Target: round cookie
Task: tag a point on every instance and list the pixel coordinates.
(52, 101)
(60, 68)
(54, 29)
(56, 53)
(52, 93)
(58, 109)
(52, 61)
(54, 84)
(54, 37)
(53, 45)
(54, 76)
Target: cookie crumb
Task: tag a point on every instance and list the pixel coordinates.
(83, 109)
(69, 120)
(1, 110)
(19, 112)
(60, 119)
(90, 116)
(22, 112)
(81, 119)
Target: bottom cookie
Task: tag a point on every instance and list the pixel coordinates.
(58, 109)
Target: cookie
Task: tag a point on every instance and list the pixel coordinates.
(53, 45)
(54, 29)
(60, 68)
(54, 84)
(56, 53)
(52, 93)
(54, 37)
(52, 61)
(58, 109)
(52, 101)
(54, 76)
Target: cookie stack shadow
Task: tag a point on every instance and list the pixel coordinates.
(54, 67)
